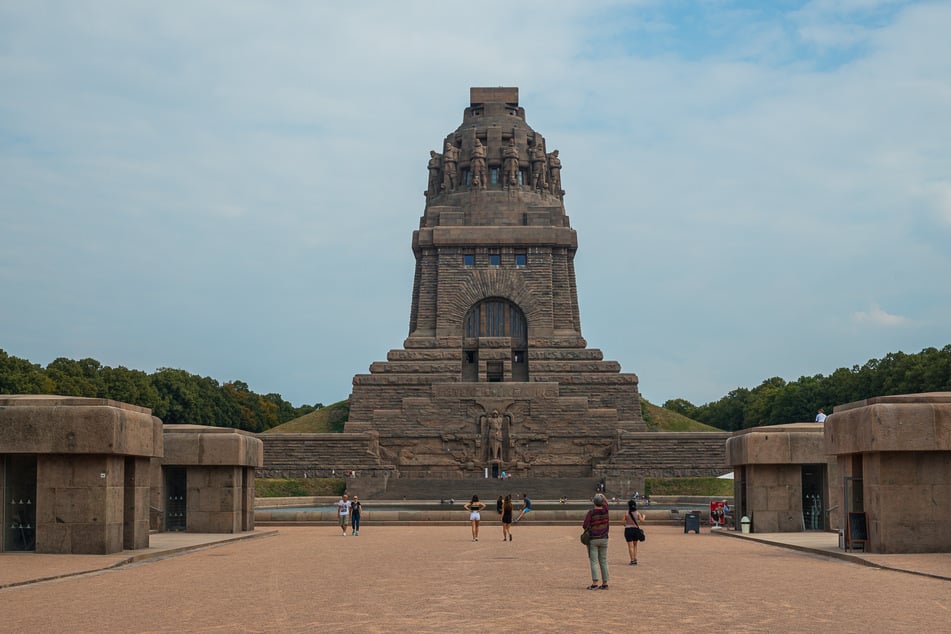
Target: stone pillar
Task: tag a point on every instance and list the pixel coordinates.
(85, 448)
(219, 464)
(900, 447)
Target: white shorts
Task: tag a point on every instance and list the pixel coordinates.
(474, 515)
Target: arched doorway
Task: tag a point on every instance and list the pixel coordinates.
(495, 317)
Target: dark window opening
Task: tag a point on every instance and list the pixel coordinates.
(520, 366)
(470, 366)
(18, 513)
(468, 260)
(521, 260)
(495, 259)
(493, 372)
(494, 175)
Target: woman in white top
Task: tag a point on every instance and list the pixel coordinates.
(474, 506)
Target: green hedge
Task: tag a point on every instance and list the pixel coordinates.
(298, 487)
(715, 487)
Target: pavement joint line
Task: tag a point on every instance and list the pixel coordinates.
(834, 554)
(144, 556)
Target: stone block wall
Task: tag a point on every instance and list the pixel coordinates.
(91, 474)
(900, 448)
(219, 465)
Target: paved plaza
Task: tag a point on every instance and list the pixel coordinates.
(434, 578)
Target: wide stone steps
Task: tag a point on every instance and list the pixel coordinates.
(488, 489)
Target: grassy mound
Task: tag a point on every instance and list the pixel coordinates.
(660, 419)
(320, 421)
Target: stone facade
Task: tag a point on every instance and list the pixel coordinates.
(205, 482)
(495, 374)
(784, 480)
(78, 475)
(894, 456)
(75, 474)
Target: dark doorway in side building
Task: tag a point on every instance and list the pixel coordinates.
(176, 502)
(813, 500)
(18, 474)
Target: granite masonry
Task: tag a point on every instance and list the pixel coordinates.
(79, 475)
(495, 376)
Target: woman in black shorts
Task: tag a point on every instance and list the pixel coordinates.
(507, 518)
(632, 530)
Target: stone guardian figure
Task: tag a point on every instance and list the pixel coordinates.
(510, 164)
(538, 158)
(554, 169)
(449, 160)
(477, 165)
(435, 160)
(493, 431)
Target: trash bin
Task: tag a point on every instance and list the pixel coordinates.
(745, 525)
(692, 522)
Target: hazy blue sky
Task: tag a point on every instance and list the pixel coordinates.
(759, 188)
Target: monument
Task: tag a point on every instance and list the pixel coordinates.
(495, 375)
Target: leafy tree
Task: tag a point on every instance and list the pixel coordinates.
(774, 401)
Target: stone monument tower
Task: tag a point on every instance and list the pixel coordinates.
(495, 375)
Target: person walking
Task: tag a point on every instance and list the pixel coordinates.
(343, 513)
(597, 523)
(498, 507)
(632, 530)
(507, 518)
(474, 506)
(356, 509)
(821, 416)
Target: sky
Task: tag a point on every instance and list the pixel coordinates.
(230, 188)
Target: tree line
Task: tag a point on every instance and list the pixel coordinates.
(175, 396)
(774, 401)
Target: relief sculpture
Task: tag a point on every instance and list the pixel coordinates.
(537, 156)
(493, 429)
(554, 169)
(449, 160)
(435, 160)
(510, 164)
(477, 164)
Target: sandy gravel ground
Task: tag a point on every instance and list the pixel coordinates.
(428, 579)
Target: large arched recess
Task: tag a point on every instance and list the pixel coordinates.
(495, 317)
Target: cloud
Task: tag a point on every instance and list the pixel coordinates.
(240, 181)
(878, 317)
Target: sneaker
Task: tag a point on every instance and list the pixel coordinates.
(633, 562)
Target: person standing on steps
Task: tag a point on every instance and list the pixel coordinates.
(632, 530)
(474, 506)
(507, 518)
